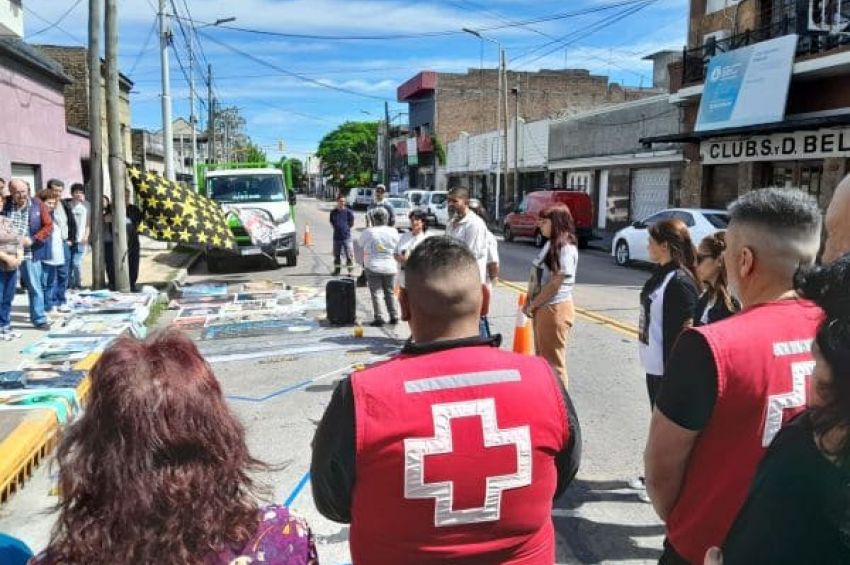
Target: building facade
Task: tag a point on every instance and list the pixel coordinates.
(183, 165)
(148, 150)
(442, 106)
(809, 146)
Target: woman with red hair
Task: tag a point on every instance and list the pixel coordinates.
(157, 470)
(550, 290)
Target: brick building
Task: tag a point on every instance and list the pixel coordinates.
(444, 105)
(74, 61)
(808, 147)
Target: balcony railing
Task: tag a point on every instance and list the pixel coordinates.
(695, 61)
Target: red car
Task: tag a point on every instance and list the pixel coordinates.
(522, 222)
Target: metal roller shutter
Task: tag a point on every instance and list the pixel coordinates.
(650, 191)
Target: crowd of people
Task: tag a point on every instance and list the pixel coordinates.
(744, 340)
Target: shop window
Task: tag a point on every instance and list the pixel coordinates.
(805, 175)
(810, 179)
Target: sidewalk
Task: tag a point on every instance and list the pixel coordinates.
(159, 267)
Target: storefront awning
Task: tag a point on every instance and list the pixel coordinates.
(793, 124)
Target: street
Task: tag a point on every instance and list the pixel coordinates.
(279, 388)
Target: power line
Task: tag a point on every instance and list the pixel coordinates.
(54, 25)
(298, 76)
(541, 19)
(59, 21)
(144, 48)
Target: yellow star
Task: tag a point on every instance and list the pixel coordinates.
(202, 237)
(152, 202)
(185, 235)
(144, 187)
(168, 204)
(162, 188)
(192, 222)
(134, 173)
(188, 207)
(162, 219)
(168, 233)
(151, 176)
(216, 241)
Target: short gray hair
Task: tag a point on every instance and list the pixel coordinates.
(379, 216)
(788, 219)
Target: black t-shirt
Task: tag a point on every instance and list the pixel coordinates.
(332, 470)
(798, 508)
(689, 392)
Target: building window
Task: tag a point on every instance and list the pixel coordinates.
(805, 175)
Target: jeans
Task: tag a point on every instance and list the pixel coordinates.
(49, 282)
(31, 274)
(382, 283)
(343, 247)
(62, 277)
(484, 327)
(8, 282)
(75, 274)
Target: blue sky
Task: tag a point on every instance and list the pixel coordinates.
(300, 110)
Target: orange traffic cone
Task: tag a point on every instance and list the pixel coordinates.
(308, 237)
(523, 336)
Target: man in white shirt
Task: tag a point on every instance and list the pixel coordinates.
(466, 226)
(82, 216)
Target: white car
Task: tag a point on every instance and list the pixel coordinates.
(360, 197)
(631, 243)
(435, 204)
(402, 209)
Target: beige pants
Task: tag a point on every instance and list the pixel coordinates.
(552, 325)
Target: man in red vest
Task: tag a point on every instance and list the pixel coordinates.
(452, 451)
(730, 386)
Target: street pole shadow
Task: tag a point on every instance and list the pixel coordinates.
(593, 541)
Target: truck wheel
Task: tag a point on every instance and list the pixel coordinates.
(509, 235)
(539, 240)
(291, 259)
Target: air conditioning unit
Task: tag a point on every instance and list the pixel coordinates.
(827, 16)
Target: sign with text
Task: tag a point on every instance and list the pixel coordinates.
(747, 86)
(412, 154)
(778, 147)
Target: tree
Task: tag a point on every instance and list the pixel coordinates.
(349, 153)
(298, 178)
(250, 153)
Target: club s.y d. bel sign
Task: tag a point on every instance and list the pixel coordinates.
(789, 146)
(747, 86)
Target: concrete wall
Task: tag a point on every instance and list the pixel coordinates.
(613, 131)
(11, 18)
(32, 111)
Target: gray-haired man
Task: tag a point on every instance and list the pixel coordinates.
(378, 244)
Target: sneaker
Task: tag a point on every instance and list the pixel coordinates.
(643, 497)
(45, 325)
(638, 483)
(64, 309)
(377, 323)
(336, 272)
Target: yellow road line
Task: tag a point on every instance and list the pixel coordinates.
(610, 323)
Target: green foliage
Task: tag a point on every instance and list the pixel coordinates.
(350, 150)
(250, 153)
(439, 150)
(298, 178)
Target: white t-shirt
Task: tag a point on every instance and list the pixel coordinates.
(81, 213)
(379, 245)
(472, 230)
(569, 263)
(406, 244)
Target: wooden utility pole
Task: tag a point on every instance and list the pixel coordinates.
(516, 140)
(96, 146)
(387, 160)
(117, 173)
(505, 165)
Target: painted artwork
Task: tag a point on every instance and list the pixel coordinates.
(203, 289)
(179, 303)
(195, 316)
(41, 378)
(254, 297)
(254, 328)
(65, 349)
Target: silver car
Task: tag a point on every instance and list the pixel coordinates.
(402, 209)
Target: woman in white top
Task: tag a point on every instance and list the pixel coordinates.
(550, 289)
(408, 241)
(379, 243)
(50, 267)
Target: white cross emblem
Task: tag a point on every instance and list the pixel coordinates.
(416, 449)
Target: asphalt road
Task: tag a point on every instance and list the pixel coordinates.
(279, 386)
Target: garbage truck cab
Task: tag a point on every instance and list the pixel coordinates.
(260, 190)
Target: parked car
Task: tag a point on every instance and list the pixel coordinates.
(414, 197)
(522, 222)
(435, 204)
(402, 209)
(630, 243)
(360, 197)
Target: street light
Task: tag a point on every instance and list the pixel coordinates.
(502, 122)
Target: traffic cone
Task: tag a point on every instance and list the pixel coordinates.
(523, 336)
(308, 237)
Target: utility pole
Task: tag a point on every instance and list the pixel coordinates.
(117, 173)
(164, 40)
(193, 119)
(211, 118)
(501, 138)
(387, 160)
(505, 120)
(516, 139)
(96, 145)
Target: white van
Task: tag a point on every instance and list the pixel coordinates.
(435, 204)
(360, 197)
(414, 197)
(255, 189)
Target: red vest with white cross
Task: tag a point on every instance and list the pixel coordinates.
(763, 359)
(455, 459)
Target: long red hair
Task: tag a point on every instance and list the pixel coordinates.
(156, 469)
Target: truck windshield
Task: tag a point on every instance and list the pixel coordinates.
(245, 188)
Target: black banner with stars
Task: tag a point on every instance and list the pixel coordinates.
(174, 213)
